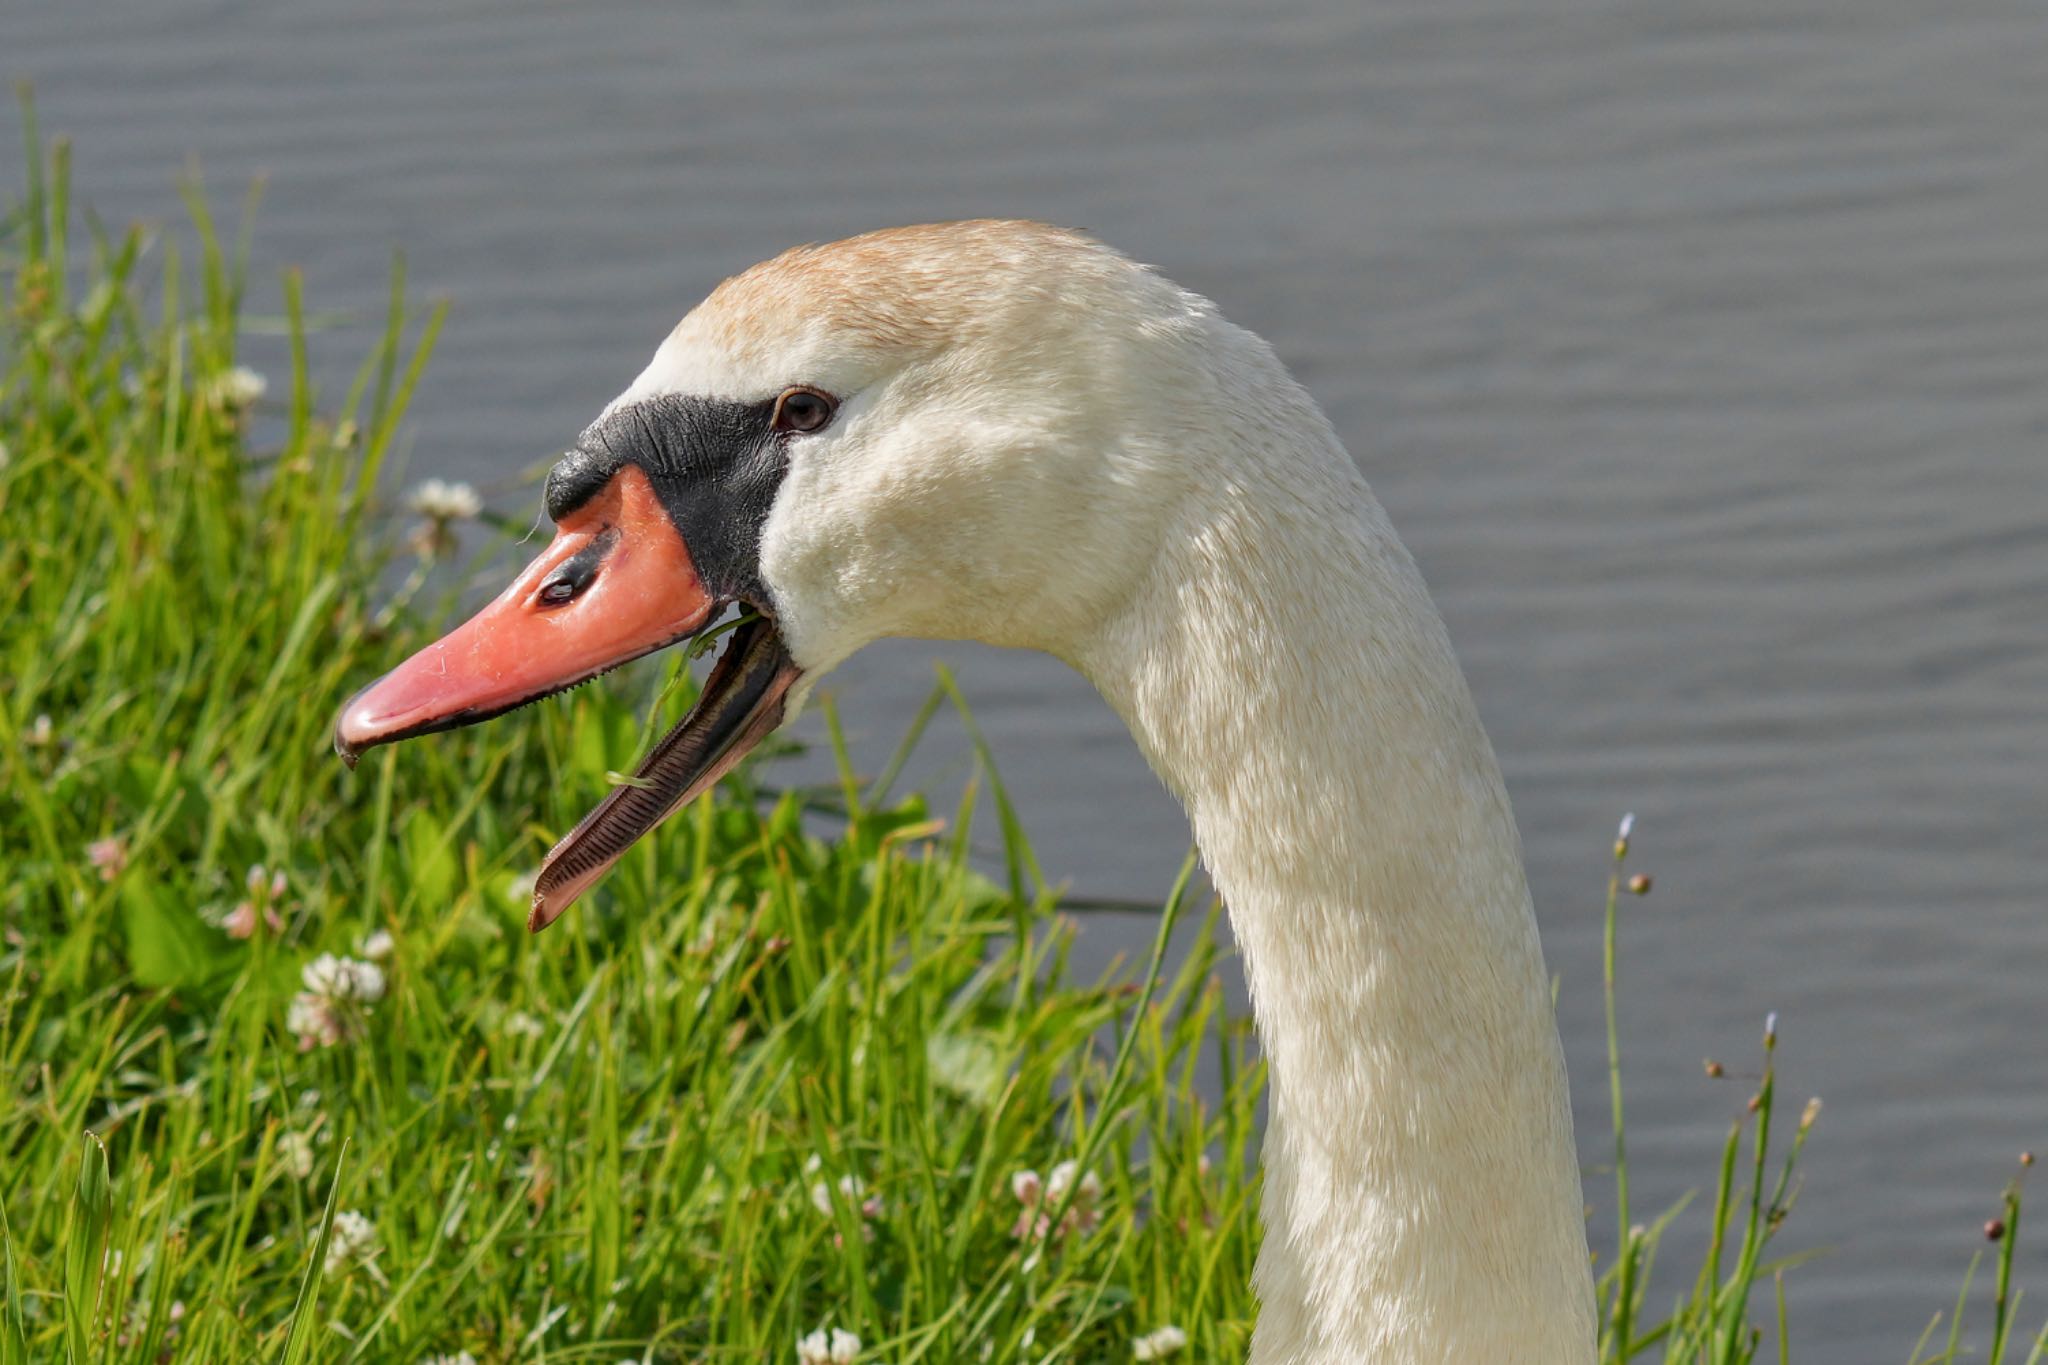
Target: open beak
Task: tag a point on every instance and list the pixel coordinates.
(617, 583)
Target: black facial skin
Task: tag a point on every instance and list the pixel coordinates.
(715, 464)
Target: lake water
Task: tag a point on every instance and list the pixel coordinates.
(1700, 352)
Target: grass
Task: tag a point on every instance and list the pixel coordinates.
(767, 1082)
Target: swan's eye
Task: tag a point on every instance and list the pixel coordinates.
(802, 410)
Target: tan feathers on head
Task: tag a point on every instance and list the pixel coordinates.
(906, 291)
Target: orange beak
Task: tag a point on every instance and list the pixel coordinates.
(616, 583)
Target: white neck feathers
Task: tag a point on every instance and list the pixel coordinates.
(1285, 672)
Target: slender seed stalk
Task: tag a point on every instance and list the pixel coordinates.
(1622, 1314)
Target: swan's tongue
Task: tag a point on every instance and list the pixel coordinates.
(740, 705)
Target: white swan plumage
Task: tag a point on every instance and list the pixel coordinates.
(1032, 441)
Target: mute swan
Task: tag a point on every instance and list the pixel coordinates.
(1007, 432)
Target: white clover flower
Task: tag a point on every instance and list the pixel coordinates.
(343, 978)
(838, 1348)
(440, 501)
(1039, 1198)
(853, 1190)
(1168, 1340)
(519, 888)
(295, 1150)
(442, 504)
(352, 1242)
(135, 1322)
(265, 890)
(239, 388)
(520, 1024)
(378, 945)
(334, 1007)
(1063, 1176)
(109, 857)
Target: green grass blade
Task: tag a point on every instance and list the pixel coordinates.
(85, 1249)
(13, 1332)
(298, 1340)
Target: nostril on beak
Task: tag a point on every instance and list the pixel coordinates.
(575, 573)
(561, 588)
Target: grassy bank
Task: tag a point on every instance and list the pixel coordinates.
(286, 1079)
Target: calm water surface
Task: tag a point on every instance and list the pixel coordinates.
(1700, 351)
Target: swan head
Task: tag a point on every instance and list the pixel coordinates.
(960, 431)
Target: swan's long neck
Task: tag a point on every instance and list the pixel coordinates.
(1284, 671)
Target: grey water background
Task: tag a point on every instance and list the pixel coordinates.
(1699, 350)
